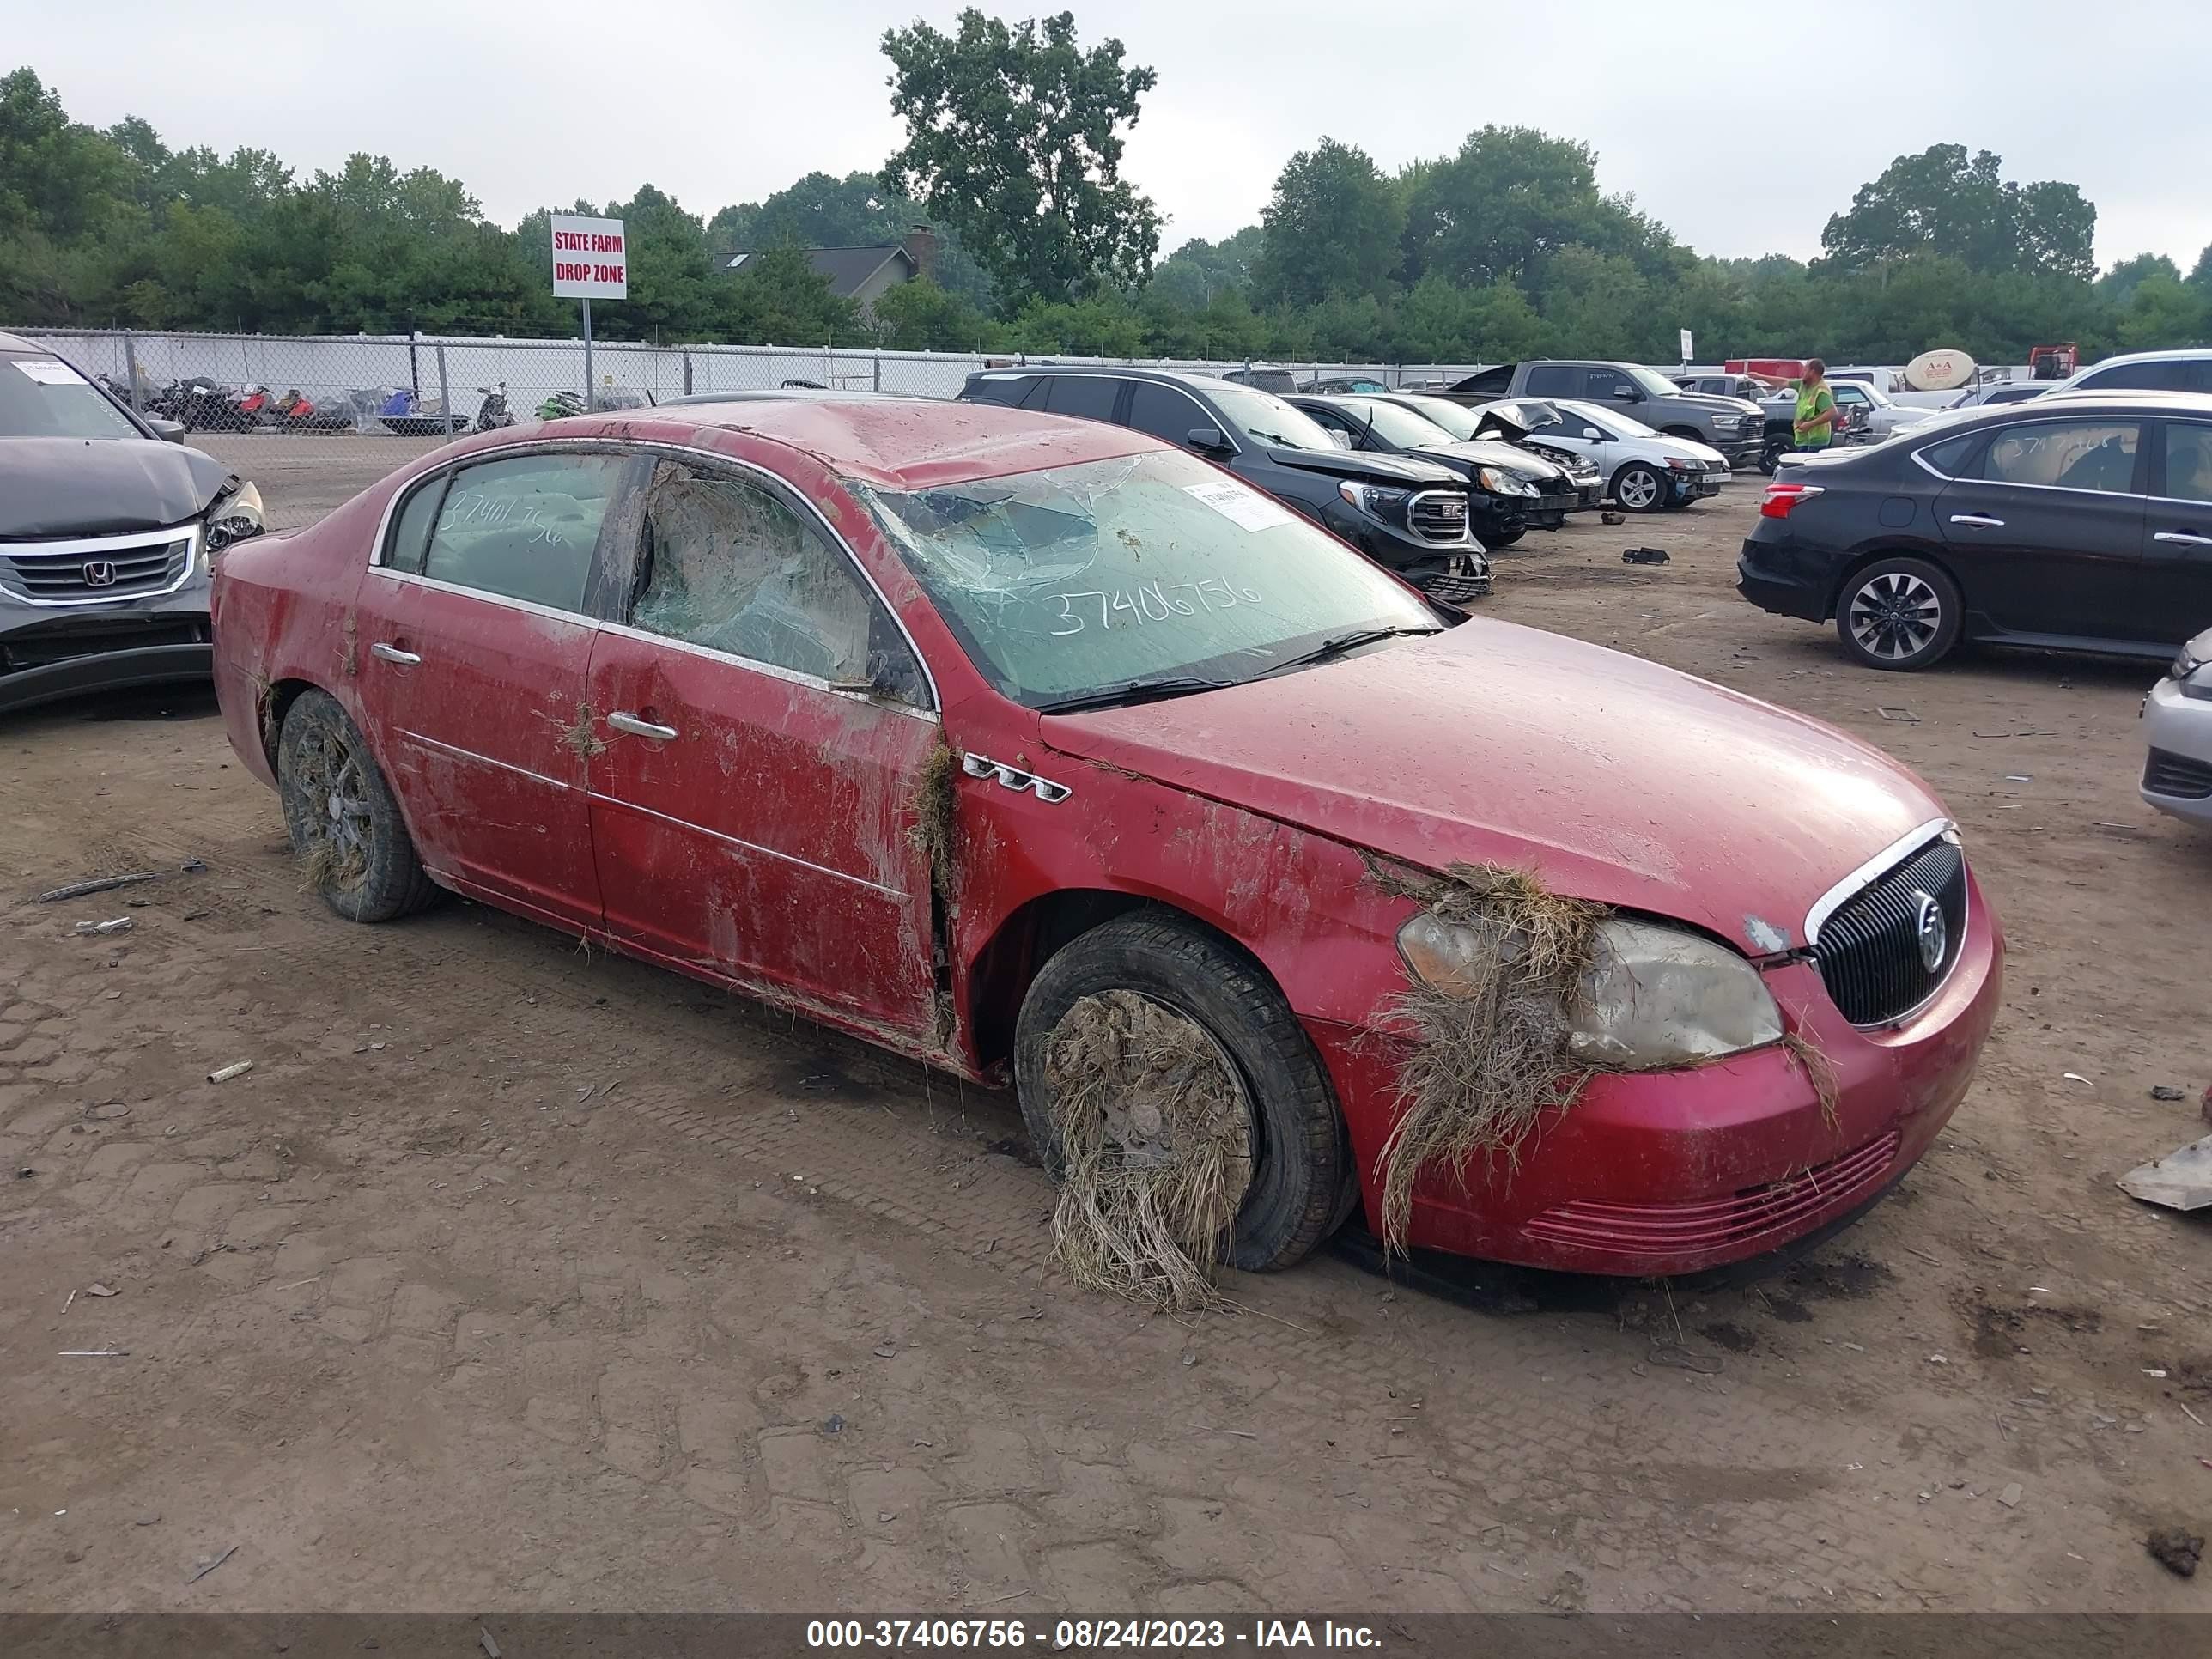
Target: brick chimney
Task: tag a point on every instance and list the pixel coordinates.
(921, 248)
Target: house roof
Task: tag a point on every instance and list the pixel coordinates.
(848, 269)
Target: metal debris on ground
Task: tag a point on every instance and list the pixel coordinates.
(97, 884)
(2010, 1495)
(120, 924)
(93, 1354)
(2182, 1180)
(224, 1074)
(1901, 716)
(2076, 1076)
(1645, 556)
(98, 1289)
(192, 866)
(1612, 518)
(490, 1647)
(207, 1567)
(2167, 1092)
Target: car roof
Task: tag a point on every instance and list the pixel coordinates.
(17, 343)
(896, 443)
(2179, 354)
(2142, 403)
(1166, 376)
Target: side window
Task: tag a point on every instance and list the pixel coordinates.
(1950, 456)
(525, 528)
(1551, 381)
(1000, 389)
(2188, 463)
(1165, 413)
(1088, 396)
(411, 526)
(2169, 374)
(2098, 455)
(731, 568)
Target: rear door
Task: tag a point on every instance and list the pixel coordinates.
(2048, 537)
(475, 630)
(2175, 588)
(768, 727)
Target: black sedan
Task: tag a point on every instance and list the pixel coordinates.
(107, 535)
(1513, 491)
(2076, 522)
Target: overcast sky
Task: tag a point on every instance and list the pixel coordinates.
(1742, 127)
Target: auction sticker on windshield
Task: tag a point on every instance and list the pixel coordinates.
(48, 371)
(1246, 509)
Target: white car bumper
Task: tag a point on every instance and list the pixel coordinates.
(2177, 777)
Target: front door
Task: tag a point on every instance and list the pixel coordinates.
(2176, 590)
(475, 635)
(768, 734)
(2047, 537)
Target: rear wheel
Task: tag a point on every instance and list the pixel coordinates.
(1638, 488)
(1770, 457)
(343, 820)
(1153, 971)
(1899, 614)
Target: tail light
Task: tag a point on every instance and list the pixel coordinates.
(1781, 499)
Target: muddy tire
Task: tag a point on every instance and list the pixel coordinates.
(341, 817)
(1899, 614)
(1638, 488)
(1303, 1181)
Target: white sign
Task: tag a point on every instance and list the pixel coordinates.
(1242, 505)
(1687, 352)
(588, 258)
(48, 371)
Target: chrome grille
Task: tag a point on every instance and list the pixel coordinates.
(96, 573)
(2169, 774)
(1869, 948)
(1438, 515)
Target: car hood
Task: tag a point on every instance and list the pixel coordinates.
(57, 487)
(1615, 779)
(1479, 452)
(1714, 400)
(1395, 471)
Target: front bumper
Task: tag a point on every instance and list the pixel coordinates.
(1680, 1172)
(1744, 449)
(1695, 486)
(2177, 774)
(49, 655)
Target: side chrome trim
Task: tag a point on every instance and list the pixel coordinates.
(1889, 859)
(745, 846)
(773, 671)
(193, 533)
(1013, 778)
(619, 445)
(457, 753)
(551, 613)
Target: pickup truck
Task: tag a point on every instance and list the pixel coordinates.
(1734, 426)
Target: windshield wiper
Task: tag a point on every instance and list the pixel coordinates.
(1344, 642)
(1148, 690)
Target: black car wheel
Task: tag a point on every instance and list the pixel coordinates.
(1513, 532)
(1301, 1182)
(1899, 614)
(343, 820)
(1770, 457)
(1640, 488)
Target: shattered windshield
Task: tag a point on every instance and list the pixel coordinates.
(45, 398)
(1075, 580)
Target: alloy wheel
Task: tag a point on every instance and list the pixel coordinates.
(1896, 616)
(1638, 490)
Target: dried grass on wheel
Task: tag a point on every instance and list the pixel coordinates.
(1489, 1056)
(1155, 1135)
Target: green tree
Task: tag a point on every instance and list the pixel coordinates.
(1331, 227)
(1497, 211)
(778, 299)
(2118, 284)
(56, 175)
(1014, 139)
(924, 316)
(1942, 202)
(2163, 311)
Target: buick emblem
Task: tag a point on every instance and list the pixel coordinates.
(1932, 932)
(99, 572)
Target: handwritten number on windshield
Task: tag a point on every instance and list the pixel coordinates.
(1151, 602)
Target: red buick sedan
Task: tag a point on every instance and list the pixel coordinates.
(931, 720)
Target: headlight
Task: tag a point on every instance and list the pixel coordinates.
(1372, 499)
(1498, 482)
(1682, 466)
(236, 517)
(1657, 997)
(2184, 671)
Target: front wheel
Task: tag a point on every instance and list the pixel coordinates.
(1899, 614)
(1770, 459)
(1150, 1010)
(343, 818)
(1638, 488)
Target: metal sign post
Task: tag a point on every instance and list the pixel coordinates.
(589, 262)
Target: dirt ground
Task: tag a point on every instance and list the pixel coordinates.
(515, 1277)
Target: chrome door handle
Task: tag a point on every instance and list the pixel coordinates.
(2187, 539)
(638, 728)
(385, 653)
(1979, 520)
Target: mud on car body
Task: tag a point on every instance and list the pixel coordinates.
(936, 723)
(107, 536)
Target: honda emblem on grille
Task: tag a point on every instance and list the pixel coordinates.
(1932, 932)
(99, 572)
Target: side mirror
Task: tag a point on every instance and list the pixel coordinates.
(1591, 435)
(167, 430)
(1209, 441)
(1628, 394)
